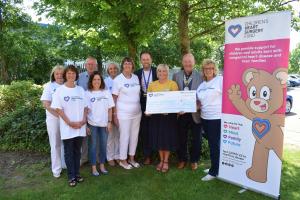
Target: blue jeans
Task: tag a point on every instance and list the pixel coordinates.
(97, 133)
(212, 128)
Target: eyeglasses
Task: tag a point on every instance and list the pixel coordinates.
(208, 68)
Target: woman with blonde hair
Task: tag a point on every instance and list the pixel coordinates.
(52, 120)
(162, 127)
(209, 94)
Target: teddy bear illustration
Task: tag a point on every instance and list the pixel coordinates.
(265, 97)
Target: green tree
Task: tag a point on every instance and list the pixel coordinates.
(295, 60)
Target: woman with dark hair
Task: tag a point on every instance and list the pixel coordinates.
(52, 120)
(127, 113)
(100, 103)
(69, 102)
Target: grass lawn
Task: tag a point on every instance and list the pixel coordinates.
(34, 181)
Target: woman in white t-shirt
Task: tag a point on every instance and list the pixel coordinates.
(70, 104)
(113, 140)
(209, 94)
(100, 103)
(52, 120)
(127, 113)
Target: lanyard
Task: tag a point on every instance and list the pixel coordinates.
(148, 80)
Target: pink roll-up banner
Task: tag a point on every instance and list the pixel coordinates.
(254, 91)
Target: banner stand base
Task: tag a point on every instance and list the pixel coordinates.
(242, 190)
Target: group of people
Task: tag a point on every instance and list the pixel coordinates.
(111, 113)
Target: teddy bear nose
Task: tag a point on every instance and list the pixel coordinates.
(256, 102)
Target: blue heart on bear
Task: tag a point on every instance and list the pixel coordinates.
(67, 98)
(260, 127)
(234, 30)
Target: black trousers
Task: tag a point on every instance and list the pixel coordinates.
(186, 123)
(72, 149)
(145, 136)
(212, 128)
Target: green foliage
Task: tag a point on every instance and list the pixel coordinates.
(295, 60)
(22, 122)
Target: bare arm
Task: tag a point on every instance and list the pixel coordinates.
(114, 111)
(234, 94)
(109, 125)
(47, 106)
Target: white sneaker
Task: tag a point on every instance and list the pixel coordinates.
(125, 166)
(56, 175)
(208, 178)
(206, 171)
(134, 164)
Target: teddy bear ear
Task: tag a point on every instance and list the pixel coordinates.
(249, 75)
(281, 74)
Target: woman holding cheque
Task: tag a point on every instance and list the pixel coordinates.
(100, 103)
(163, 126)
(69, 102)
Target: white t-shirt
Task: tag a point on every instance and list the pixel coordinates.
(72, 101)
(128, 92)
(109, 83)
(98, 103)
(47, 95)
(210, 95)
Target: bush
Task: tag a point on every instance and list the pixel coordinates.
(22, 123)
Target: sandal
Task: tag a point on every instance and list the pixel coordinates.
(79, 179)
(165, 167)
(72, 182)
(159, 166)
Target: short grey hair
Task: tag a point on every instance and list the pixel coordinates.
(114, 64)
(91, 58)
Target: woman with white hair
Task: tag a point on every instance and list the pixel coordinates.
(163, 126)
(113, 140)
(52, 120)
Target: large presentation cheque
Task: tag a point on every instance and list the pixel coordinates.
(171, 102)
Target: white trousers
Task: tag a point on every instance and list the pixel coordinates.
(129, 132)
(56, 146)
(113, 144)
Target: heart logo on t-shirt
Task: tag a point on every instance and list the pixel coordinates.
(126, 85)
(93, 99)
(234, 30)
(151, 94)
(67, 98)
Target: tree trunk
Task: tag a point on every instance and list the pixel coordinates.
(132, 51)
(183, 27)
(3, 72)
